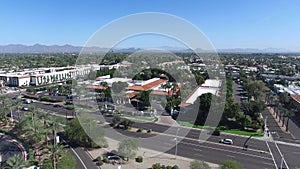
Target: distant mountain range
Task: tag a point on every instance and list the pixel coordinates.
(38, 48)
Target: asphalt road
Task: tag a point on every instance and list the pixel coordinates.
(207, 151)
(257, 155)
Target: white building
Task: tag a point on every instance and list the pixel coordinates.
(43, 76)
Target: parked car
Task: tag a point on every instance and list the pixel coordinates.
(216, 133)
(226, 141)
(27, 101)
(25, 108)
(213, 132)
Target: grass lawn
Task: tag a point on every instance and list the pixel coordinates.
(231, 131)
(140, 117)
(242, 132)
(188, 124)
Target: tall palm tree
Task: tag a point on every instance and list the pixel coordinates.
(55, 126)
(4, 109)
(56, 151)
(15, 162)
(45, 117)
(17, 104)
(32, 126)
(288, 114)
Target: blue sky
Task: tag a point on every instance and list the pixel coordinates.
(227, 23)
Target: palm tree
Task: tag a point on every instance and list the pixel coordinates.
(17, 104)
(276, 108)
(56, 151)
(45, 116)
(32, 126)
(15, 162)
(4, 109)
(55, 148)
(288, 114)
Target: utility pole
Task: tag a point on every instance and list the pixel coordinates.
(281, 163)
(265, 127)
(176, 142)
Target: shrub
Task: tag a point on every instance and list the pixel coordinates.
(230, 164)
(140, 130)
(149, 131)
(139, 159)
(175, 167)
(199, 165)
(169, 167)
(163, 167)
(156, 166)
(105, 160)
(222, 128)
(100, 163)
(99, 158)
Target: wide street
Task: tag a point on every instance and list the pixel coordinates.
(258, 154)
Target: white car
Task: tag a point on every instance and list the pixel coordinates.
(25, 108)
(226, 141)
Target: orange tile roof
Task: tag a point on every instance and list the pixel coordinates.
(296, 98)
(131, 95)
(96, 87)
(154, 84)
(165, 93)
(136, 88)
(147, 86)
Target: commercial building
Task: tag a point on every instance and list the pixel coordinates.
(212, 86)
(43, 76)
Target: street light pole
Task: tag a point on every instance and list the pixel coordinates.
(176, 142)
(265, 131)
(281, 163)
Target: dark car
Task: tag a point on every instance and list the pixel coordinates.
(216, 133)
(213, 132)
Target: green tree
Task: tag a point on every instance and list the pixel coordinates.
(284, 98)
(143, 96)
(128, 147)
(229, 164)
(75, 132)
(118, 87)
(256, 89)
(199, 165)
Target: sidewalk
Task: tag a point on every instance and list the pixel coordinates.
(276, 129)
(150, 157)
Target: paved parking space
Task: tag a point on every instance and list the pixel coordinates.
(9, 148)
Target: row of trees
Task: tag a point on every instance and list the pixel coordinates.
(36, 126)
(283, 108)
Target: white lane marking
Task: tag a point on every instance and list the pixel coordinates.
(200, 155)
(281, 155)
(268, 163)
(90, 157)
(289, 144)
(169, 144)
(272, 155)
(234, 152)
(197, 150)
(76, 155)
(230, 156)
